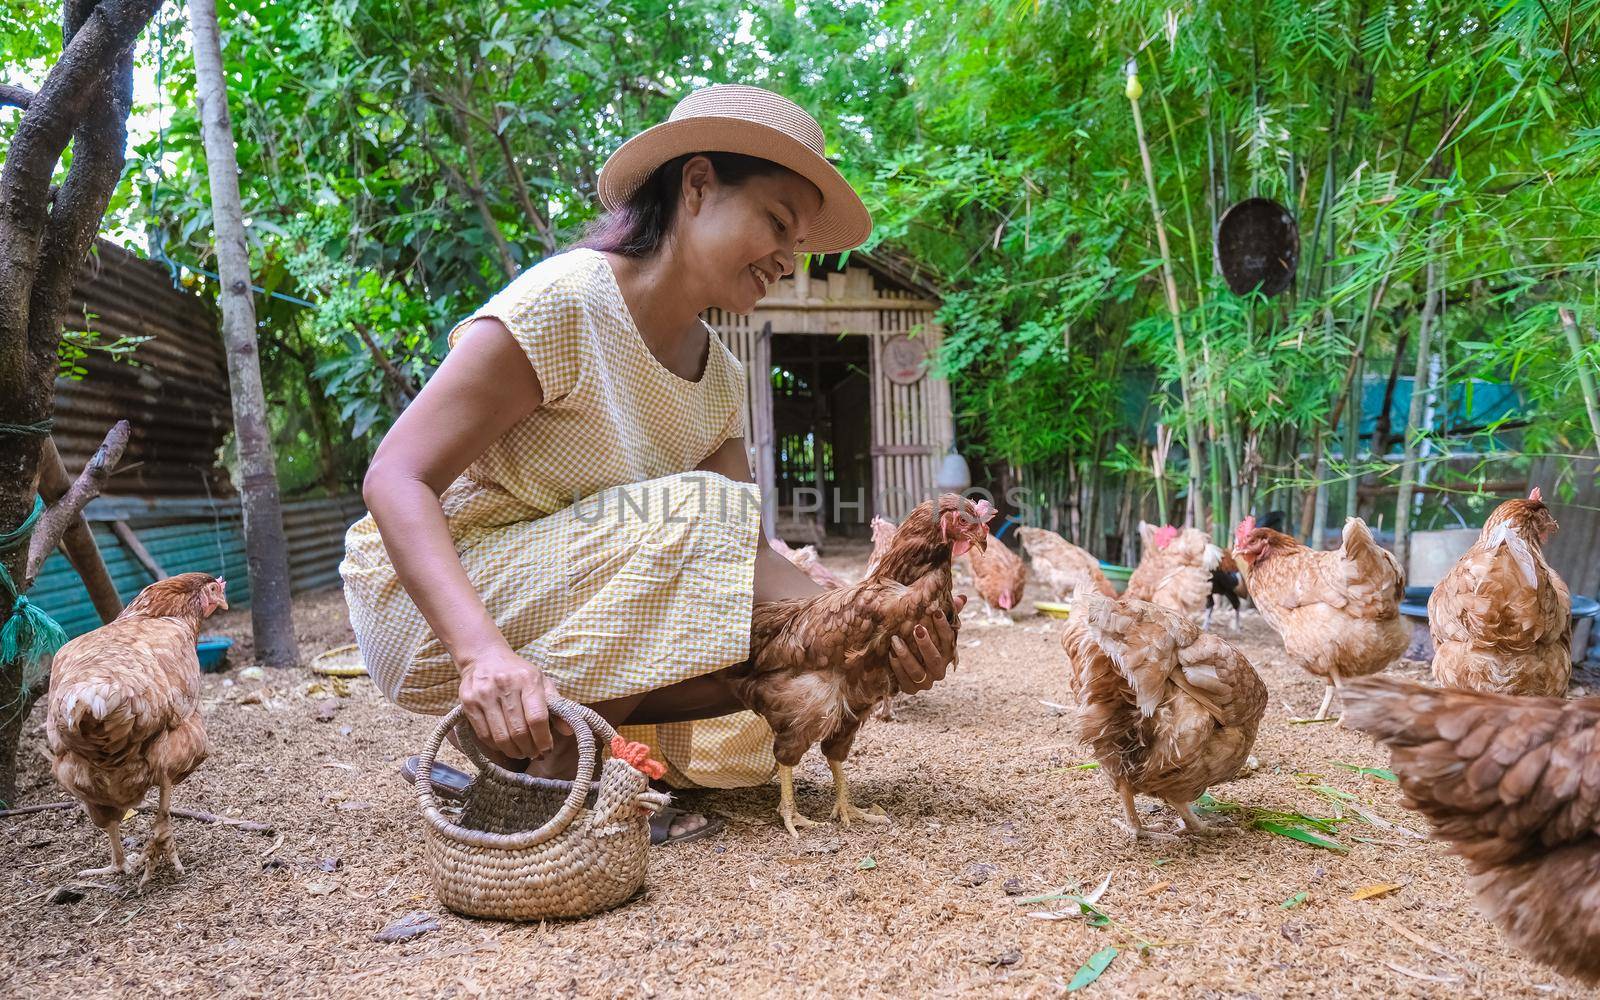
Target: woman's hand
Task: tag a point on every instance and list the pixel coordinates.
(917, 668)
(507, 701)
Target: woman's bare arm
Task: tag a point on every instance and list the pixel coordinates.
(484, 387)
(778, 579)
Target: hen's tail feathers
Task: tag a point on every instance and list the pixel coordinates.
(1138, 638)
(94, 718)
(1499, 775)
(1396, 713)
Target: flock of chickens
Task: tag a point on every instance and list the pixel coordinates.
(1506, 769)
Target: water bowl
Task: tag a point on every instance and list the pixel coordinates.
(213, 651)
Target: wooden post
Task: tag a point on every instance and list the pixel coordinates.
(267, 552)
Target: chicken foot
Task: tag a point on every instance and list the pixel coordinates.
(1191, 822)
(786, 809)
(120, 863)
(845, 811)
(161, 846)
(1134, 827)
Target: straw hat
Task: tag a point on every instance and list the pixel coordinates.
(732, 118)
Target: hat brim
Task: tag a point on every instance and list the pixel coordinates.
(842, 224)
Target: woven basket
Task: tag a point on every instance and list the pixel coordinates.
(527, 848)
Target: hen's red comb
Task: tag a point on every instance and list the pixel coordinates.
(1164, 535)
(1245, 527)
(1533, 495)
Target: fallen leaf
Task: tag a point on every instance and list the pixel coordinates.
(830, 846)
(1098, 963)
(1006, 958)
(1302, 835)
(329, 864)
(326, 709)
(252, 673)
(1372, 772)
(1294, 901)
(1371, 891)
(1012, 886)
(866, 864)
(1153, 889)
(320, 888)
(976, 874)
(352, 806)
(409, 926)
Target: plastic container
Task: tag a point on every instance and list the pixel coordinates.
(213, 651)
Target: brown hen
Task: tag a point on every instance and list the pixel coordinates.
(819, 664)
(1513, 784)
(998, 575)
(1061, 565)
(1337, 612)
(808, 562)
(1174, 568)
(125, 711)
(1502, 618)
(1167, 710)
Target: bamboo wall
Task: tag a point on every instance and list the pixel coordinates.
(911, 428)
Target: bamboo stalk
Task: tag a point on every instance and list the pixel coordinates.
(1191, 429)
(1591, 403)
(1408, 466)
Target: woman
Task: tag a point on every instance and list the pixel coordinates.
(567, 506)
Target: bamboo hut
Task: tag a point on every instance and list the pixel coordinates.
(846, 419)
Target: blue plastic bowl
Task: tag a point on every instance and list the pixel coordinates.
(213, 650)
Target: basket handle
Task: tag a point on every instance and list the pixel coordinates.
(577, 716)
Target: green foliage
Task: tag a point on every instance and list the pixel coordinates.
(400, 161)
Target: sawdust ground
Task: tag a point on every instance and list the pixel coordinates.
(976, 773)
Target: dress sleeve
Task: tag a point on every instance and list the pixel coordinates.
(549, 321)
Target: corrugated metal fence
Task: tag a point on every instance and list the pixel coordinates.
(173, 389)
(185, 535)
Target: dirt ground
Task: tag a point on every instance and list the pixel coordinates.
(978, 775)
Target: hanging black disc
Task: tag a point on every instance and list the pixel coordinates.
(1258, 244)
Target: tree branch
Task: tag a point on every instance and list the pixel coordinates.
(63, 512)
(401, 381)
(14, 96)
(78, 543)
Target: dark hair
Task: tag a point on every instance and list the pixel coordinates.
(638, 227)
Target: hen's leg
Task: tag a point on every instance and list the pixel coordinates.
(845, 811)
(791, 818)
(1327, 697)
(1133, 825)
(119, 863)
(161, 844)
(1191, 822)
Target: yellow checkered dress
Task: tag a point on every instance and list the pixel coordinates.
(597, 554)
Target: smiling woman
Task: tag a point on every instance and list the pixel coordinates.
(566, 508)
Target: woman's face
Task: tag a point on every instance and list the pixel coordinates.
(742, 238)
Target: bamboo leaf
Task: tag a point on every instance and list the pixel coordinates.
(1091, 970)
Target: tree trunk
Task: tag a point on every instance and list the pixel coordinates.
(44, 236)
(266, 551)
